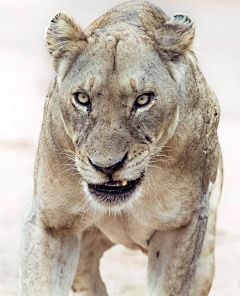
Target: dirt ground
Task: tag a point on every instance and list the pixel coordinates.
(25, 74)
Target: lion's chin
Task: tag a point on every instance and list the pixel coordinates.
(114, 192)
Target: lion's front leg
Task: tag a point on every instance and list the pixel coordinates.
(88, 281)
(48, 264)
(173, 259)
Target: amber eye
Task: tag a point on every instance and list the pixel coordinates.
(82, 98)
(143, 100)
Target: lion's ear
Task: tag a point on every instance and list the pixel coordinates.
(175, 37)
(64, 40)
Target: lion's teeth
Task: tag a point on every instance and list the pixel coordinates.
(123, 183)
(116, 183)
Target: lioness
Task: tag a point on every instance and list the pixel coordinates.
(128, 154)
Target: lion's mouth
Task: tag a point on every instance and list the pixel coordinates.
(113, 192)
(117, 187)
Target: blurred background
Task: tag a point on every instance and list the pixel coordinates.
(26, 71)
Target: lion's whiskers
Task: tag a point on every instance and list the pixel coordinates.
(152, 166)
(69, 169)
(157, 155)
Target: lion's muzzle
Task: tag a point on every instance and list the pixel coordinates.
(111, 169)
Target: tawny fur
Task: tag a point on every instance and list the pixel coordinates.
(171, 143)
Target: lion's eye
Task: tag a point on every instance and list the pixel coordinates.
(143, 100)
(82, 98)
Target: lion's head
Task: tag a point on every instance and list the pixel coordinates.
(118, 94)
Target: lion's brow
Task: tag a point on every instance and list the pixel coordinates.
(91, 82)
(115, 55)
(133, 84)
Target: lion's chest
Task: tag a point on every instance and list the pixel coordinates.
(165, 212)
(126, 231)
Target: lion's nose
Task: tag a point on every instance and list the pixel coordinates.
(111, 169)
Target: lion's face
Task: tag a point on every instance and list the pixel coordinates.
(118, 104)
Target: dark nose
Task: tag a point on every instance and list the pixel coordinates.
(112, 169)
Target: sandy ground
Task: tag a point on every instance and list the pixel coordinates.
(25, 74)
